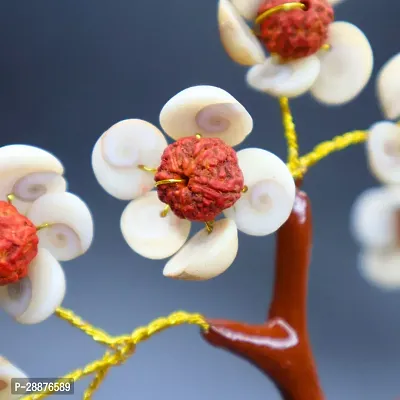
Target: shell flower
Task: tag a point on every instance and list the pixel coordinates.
(308, 52)
(388, 88)
(196, 179)
(375, 225)
(40, 225)
(376, 213)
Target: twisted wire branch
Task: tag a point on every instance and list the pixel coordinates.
(290, 133)
(120, 348)
(328, 147)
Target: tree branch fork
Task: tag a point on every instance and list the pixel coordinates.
(280, 347)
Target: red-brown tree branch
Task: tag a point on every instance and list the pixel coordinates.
(280, 347)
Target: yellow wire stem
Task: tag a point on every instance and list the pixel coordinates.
(290, 135)
(74, 320)
(297, 165)
(10, 197)
(122, 346)
(147, 169)
(268, 13)
(328, 147)
(209, 226)
(282, 7)
(326, 47)
(96, 382)
(165, 211)
(168, 182)
(42, 226)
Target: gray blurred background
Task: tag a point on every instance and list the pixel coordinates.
(70, 69)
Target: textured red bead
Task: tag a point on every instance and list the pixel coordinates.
(296, 33)
(18, 244)
(213, 180)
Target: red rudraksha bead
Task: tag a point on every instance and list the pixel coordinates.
(296, 33)
(212, 178)
(18, 244)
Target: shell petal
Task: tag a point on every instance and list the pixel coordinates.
(69, 219)
(267, 204)
(238, 40)
(205, 256)
(206, 110)
(149, 234)
(290, 79)
(35, 298)
(247, 8)
(346, 68)
(31, 170)
(374, 218)
(118, 153)
(388, 88)
(383, 152)
(381, 269)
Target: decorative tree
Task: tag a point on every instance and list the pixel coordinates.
(198, 178)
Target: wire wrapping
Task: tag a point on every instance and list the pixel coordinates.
(120, 348)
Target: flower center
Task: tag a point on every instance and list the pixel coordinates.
(18, 244)
(199, 177)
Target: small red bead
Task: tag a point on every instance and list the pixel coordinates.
(212, 178)
(18, 244)
(296, 33)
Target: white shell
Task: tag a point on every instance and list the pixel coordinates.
(374, 218)
(383, 151)
(70, 232)
(118, 153)
(35, 298)
(290, 79)
(238, 40)
(209, 111)
(29, 172)
(9, 371)
(381, 268)
(205, 255)
(149, 234)
(346, 68)
(247, 8)
(388, 88)
(267, 204)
